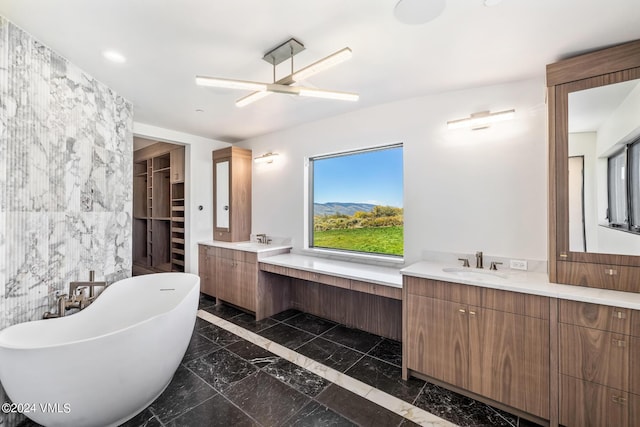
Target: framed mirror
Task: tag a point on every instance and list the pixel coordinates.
(604, 169)
(594, 156)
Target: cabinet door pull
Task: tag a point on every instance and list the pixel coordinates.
(619, 400)
(610, 272)
(462, 310)
(619, 343)
(473, 313)
(619, 314)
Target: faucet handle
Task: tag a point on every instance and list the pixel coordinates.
(465, 261)
(494, 265)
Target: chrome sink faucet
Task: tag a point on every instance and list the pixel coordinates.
(479, 259)
(262, 238)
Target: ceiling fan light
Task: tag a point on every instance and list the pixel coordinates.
(318, 93)
(321, 65)
(230, 83)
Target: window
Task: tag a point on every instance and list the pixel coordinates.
(617, 189)
(623, 171)
(356, 201)
(634, 184)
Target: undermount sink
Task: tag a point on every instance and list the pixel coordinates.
(474, 273)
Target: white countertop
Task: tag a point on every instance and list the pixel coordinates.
(256, 247)
(522, 281)
(387, 276)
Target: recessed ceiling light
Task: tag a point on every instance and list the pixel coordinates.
(416, 12)
(490, 3)
(114, 56)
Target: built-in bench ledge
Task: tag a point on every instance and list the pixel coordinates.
(366, 278)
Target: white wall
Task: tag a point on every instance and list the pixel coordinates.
(198, 186)
(464, 190)
(622, 125)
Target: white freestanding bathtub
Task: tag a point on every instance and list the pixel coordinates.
(105, 364)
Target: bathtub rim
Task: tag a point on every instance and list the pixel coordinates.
(96, 337)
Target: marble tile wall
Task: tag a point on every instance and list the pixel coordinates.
(65, 177)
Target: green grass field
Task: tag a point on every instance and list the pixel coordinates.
(381, 240)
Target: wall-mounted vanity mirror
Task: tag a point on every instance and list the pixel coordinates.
(604, 169)
(594, 168)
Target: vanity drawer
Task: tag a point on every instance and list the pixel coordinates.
(585, 404)
(235, 255)
(376, 289)
(595, 316)
(604, 276)
(325, 279)
(516, 303)
(447, 291)
(596, 356)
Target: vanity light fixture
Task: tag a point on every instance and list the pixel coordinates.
(266, 158)
(481, 120)
(285, 85)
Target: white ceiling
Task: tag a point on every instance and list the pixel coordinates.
(168, 42)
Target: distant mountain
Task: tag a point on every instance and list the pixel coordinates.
(332, 208)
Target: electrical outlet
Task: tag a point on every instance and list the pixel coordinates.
(518, 264)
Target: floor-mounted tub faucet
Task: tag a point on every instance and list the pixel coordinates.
(77, 297)
(479, 259)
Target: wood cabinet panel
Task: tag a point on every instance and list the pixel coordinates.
(238, 184)
(515, 302)
(376, 289)
(586, 404)
(594, 355)
(371, 313)
(177, 165)
(438, 332)
(443, 290)
(634, 358)
(509, 359)
(205, 271)
(236, 282)
(235, 255)
(388, 292)
(634, 409)
(623, 56)
(635, 323)
(605, 276)
(595, 316)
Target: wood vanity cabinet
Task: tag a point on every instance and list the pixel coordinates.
(229, 275)
(598, 352)
(236, 277)
(232, 194)
(494, 344)
(599, 358)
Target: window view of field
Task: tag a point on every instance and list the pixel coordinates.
(369, 216)
(377, 229)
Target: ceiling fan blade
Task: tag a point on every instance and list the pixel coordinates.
(230, 83)
(297, 91)
(323, 64)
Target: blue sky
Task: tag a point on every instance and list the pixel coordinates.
(371, 177)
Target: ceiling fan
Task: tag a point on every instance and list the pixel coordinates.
(285, 85)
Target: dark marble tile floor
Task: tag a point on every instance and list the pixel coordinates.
(224, 380)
